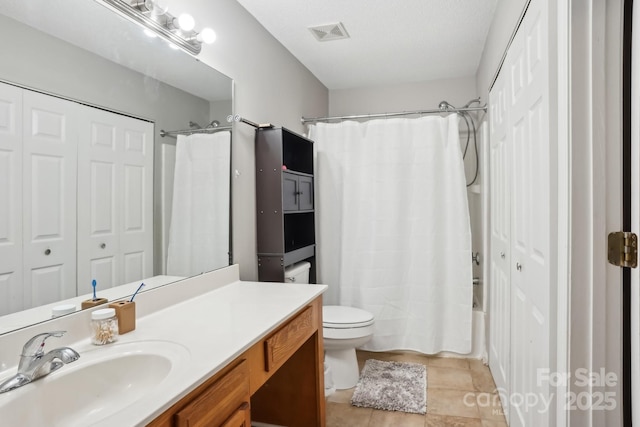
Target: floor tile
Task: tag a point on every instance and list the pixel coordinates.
(482, 380)
(345, 415)
(451, 402)
(459, 379)
(449, 362)
(341, 396)
(460, 393)
(396, 419)
(489, 406)
(447, 421)
(477, 365)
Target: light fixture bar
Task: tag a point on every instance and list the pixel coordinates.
(132, 13)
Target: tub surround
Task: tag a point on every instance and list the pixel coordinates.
(220, 321)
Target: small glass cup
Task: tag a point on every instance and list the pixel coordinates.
(104, 326)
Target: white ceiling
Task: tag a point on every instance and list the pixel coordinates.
(391, 42)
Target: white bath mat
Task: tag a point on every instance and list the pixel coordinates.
(392, 386)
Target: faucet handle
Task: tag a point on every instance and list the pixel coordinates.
(35, 346)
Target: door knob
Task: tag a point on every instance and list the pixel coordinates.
(47, 252)
(502, 255)
(518, 266)
(103, 245)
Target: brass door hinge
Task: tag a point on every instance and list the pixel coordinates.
(623, 249)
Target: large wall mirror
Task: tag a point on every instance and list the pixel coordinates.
(86, 179)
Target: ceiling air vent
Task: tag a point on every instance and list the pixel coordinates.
(324, 33)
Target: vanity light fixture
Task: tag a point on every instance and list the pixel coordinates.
(154, 16)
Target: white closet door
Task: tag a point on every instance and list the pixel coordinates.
(115, 237)
(500, 226)
(11, 297)
(528, 68)
(49, 173)
(99, 176)
(137, 208)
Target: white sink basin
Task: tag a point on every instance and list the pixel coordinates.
(104, 381)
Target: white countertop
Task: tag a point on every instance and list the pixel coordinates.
(215, 327)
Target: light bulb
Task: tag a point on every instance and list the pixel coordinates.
(186, 22)
(207, 35)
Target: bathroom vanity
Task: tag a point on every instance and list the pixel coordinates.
(207, 351)
(278, 380)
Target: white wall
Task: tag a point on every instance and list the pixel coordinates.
(270, 86)
(401, 97)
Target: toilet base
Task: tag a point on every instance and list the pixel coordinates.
(344, 367)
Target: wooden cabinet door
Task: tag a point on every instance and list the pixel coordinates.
(241, 418)
(219, 403)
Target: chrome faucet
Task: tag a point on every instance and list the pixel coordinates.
(34, 363)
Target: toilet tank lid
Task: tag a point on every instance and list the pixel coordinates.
(341, 315)
(295, 269)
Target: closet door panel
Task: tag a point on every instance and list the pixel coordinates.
(531, 270)
(98, 219)
(47, 284)
(49, 205)
(137, 210)
(500, 232)
(115, 203)
(11, 196)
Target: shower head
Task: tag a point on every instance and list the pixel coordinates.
(473, 101)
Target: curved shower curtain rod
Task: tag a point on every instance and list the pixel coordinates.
(443, 107)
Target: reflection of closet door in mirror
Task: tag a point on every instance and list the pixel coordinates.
(115, 190)
(10, 199)
(49, 204)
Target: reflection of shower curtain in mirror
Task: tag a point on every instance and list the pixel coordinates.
(199, 230)
(393, 229)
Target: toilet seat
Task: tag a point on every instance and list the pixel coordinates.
(342, 317)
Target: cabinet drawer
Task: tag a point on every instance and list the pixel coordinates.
(240, 418)
(282, 344)
(218, 403)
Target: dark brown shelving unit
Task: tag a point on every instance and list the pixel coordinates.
(284, 202)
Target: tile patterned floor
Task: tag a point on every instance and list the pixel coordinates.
(460, 393)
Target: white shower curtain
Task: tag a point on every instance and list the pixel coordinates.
(199, 230)
(393, 230)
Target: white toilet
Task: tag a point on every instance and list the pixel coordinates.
(344, 329)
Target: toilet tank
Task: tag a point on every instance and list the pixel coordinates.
(297, 273)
